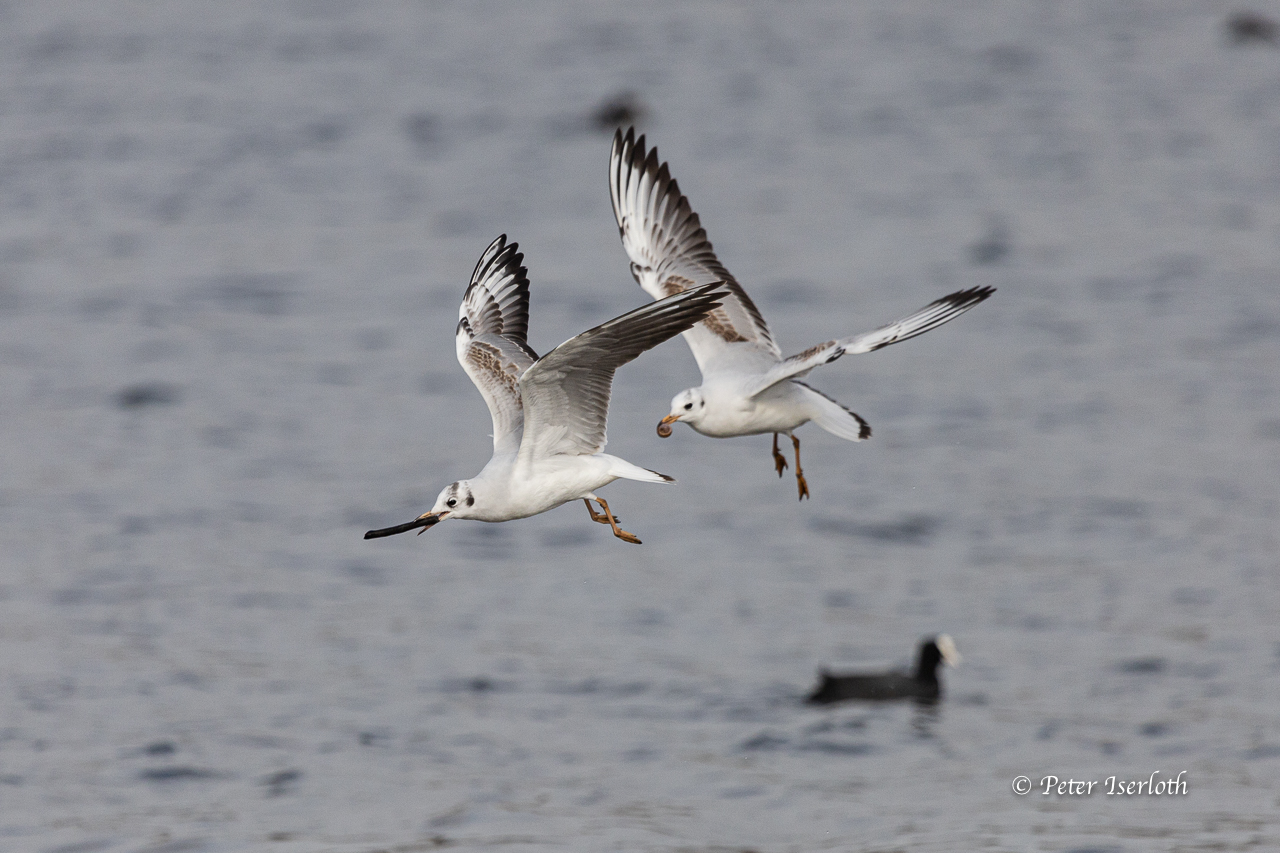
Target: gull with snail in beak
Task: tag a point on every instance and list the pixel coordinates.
(548, 413)
(748, 388)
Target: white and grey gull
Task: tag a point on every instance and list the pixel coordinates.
(747, 388)
(548, 413)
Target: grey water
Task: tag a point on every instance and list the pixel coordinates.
(233, 239)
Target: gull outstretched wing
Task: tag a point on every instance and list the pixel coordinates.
(670, 253)
(929, 317)
(493, 323)
(566, 392)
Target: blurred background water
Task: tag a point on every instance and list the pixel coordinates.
(233, 238)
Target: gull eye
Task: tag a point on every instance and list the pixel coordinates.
(451, 502)
(688, 406)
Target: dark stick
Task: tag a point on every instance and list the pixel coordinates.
(402, 528)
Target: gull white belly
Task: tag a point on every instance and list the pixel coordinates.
(546, 484)
(779, 409)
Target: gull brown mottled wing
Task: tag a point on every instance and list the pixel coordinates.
(493, 322)
(670, 252)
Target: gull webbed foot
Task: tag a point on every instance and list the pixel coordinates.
(779, 461)
(801, 485)
(610, 519)
(600, 517)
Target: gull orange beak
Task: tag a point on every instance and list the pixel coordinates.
(664, 426)
(426, 520)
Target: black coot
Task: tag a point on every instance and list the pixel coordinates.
(922, 685)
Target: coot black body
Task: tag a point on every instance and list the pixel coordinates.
(922, 685)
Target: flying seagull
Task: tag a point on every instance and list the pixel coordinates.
(548, 413)
(748, 388)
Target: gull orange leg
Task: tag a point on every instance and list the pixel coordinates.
(800, 483)
(779, 461)
(598, 517)
(612, 521)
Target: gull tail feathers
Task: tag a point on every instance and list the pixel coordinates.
(623, 469)
(833, 417)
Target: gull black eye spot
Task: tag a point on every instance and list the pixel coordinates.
(471, 501)
(451, 502)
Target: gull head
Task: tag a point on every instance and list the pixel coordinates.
(688, 406)
(456, 501)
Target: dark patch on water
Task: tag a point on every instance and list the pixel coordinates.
(134, 525)
(641, 753)
(1262, 752)
(373, 340)
(1011, 59)
(325, 133)
(1194, 596)
(178, 774)
(425, 133)
(1251, 28)
(1269, 429)
(1049, 730)
(476, 684)
(742, 792)
(281, 783)
(160, 747)
(373, 738)
(45, 694)
(1253, 327)
(187, 678)
(649, 617)
(911, 530)
(1143, 666)
(618, 111)
(764, 741)
(839, 598)
(794, 291)
(993, 247)
(1156, 729)
(147, 394)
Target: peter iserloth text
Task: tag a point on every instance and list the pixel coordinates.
(1115, 786)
